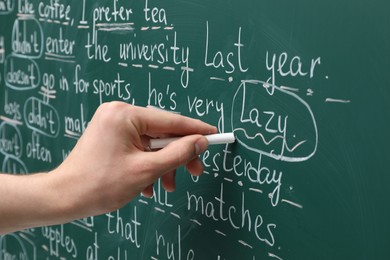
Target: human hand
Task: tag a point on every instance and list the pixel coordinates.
(109, 165)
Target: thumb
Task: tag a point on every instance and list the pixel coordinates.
(179, 152)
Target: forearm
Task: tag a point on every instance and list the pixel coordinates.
(29, 201)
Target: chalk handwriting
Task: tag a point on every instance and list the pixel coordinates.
(59, 60)
(116, 87)
(25, 7)
(75, 126)
(274, 136)
(54, 10)
(129, 230)
(58, 239)
(59, 47)
(12, 109)
(228, 61)
(21, 74)
(111, 14)
(172, 249)
(12, 247)
(202, 108)
(237, 217)
(95, 50)
(27, 38)
(11, 142)
(161, 196)
(280, 65)
(256, 173)
(154, 14)
(41, 117)
(81, 85)
(35, 150)
(14, 165)
(166, 52)
(92, 252)
(6, 6)
(2, 51)
(160, 99)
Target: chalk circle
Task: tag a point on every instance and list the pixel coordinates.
(8, 7)
(12, 247)
(37, 113)
(10, 132)
(253, 102)
(14, 165)
(21, 73)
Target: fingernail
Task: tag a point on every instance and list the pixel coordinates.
(201, 145)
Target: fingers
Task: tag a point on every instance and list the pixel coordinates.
(168, 181)
(153, 121)
(148, 191)
(178, 153)
(164, 162)
(195, 167)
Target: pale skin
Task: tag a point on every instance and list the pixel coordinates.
(108, 167)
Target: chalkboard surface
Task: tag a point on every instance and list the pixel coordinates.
(303, 84)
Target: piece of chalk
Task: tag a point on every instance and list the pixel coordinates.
(225, 138)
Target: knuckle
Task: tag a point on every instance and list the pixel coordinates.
(111, 112)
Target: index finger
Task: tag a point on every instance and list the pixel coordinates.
(155, 121)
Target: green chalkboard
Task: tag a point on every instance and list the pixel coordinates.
(304, 85)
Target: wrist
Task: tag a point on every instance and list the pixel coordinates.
(63, 202)
(49, 204)
(31, 201)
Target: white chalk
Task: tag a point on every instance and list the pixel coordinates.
(225, 138)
